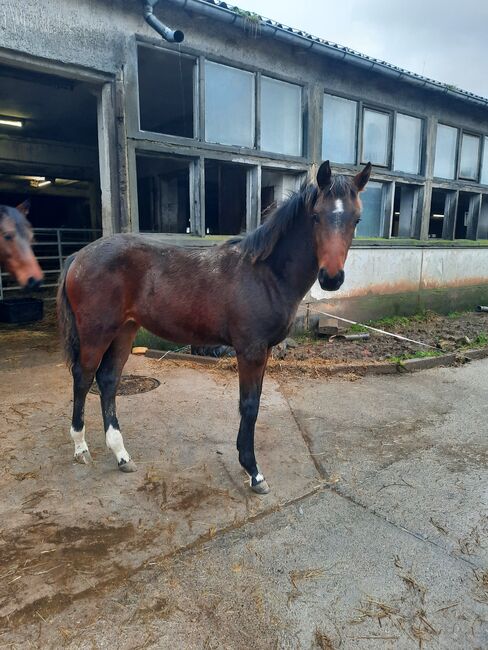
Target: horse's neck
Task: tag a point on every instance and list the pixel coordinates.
(294, 259)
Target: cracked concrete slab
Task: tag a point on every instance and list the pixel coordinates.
(411, 448)
(374, 535)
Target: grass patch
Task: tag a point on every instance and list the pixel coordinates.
(419, 354)
(402, 321)
(481, 341)
(147, 340)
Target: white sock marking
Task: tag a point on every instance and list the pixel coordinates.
(78, 438)
(115, 442)
(339, 207)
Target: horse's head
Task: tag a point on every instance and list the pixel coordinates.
(335, 215)
(15, 246)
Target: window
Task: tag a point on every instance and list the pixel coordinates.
(470, 149)
(163, 194)
(229, 105)
(281, 117)
(484, 163)
(376, 132)
(165, 92)
(339, 130)
(445, 151)
(406, 151)
(371, 224)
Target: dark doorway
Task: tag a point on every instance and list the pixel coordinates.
(225, 198)
(163, 194)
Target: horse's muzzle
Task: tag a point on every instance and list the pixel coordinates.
(330, 284)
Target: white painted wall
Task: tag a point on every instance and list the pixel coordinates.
(396, 270)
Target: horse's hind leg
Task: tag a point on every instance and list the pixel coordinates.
(251, 374)
(82, 381)
(108, 377)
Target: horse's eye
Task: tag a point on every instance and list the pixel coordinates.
(315, 218)
(358, 221)
(8, 237)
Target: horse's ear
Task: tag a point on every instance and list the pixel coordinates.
(24, 207)
(324, 175)
(362, 178)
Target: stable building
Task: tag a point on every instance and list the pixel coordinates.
(111, 121)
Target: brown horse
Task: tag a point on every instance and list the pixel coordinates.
(243, 293)
(15, 246)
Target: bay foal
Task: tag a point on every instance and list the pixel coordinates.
(243, 293)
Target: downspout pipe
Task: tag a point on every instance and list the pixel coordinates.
(168, 34)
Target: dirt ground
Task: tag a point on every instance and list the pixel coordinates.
(446, 333)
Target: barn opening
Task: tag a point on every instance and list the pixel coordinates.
(225, 198)
(437, 213)
(50, 158)
(462, 215)
(405, 204)
(166, 82)
(276, 187)
(163, 194)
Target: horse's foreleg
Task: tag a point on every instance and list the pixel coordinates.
(82, 380)
(251, 373)
(108, 377)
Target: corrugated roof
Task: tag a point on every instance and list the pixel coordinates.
(317, 44)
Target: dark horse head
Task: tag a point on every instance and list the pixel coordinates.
(336, 213)
(310, 234)
(15, 246)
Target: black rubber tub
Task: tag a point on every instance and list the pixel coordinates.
(21, 310)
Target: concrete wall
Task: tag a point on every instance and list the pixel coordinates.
(389, 280)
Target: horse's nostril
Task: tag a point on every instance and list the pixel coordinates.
(33, 284)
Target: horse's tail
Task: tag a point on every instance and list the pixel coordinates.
(66, 319)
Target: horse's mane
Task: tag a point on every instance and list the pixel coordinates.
(260, 243)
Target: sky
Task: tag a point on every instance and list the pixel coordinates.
(446, 40)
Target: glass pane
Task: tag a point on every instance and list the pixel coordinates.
(406, 151)
(281, 117)
(484, 163)
(445, 151)
(468, 166)
(371, 214)
(339, 130)
(375, 137)
(229, 105)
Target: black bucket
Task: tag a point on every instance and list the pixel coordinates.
(21, 310)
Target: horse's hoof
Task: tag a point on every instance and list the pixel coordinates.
(127, 466)
(83, 457)
(261, 488)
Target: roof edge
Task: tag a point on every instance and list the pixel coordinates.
(231, 14)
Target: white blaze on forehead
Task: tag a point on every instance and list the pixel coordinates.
(339, 207)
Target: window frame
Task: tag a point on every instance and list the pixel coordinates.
(456, 158)
(356, 134)
(422, 143)
(302, 116)
(198, 140)
(366, 106)
(392, 112)
(468, 132)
